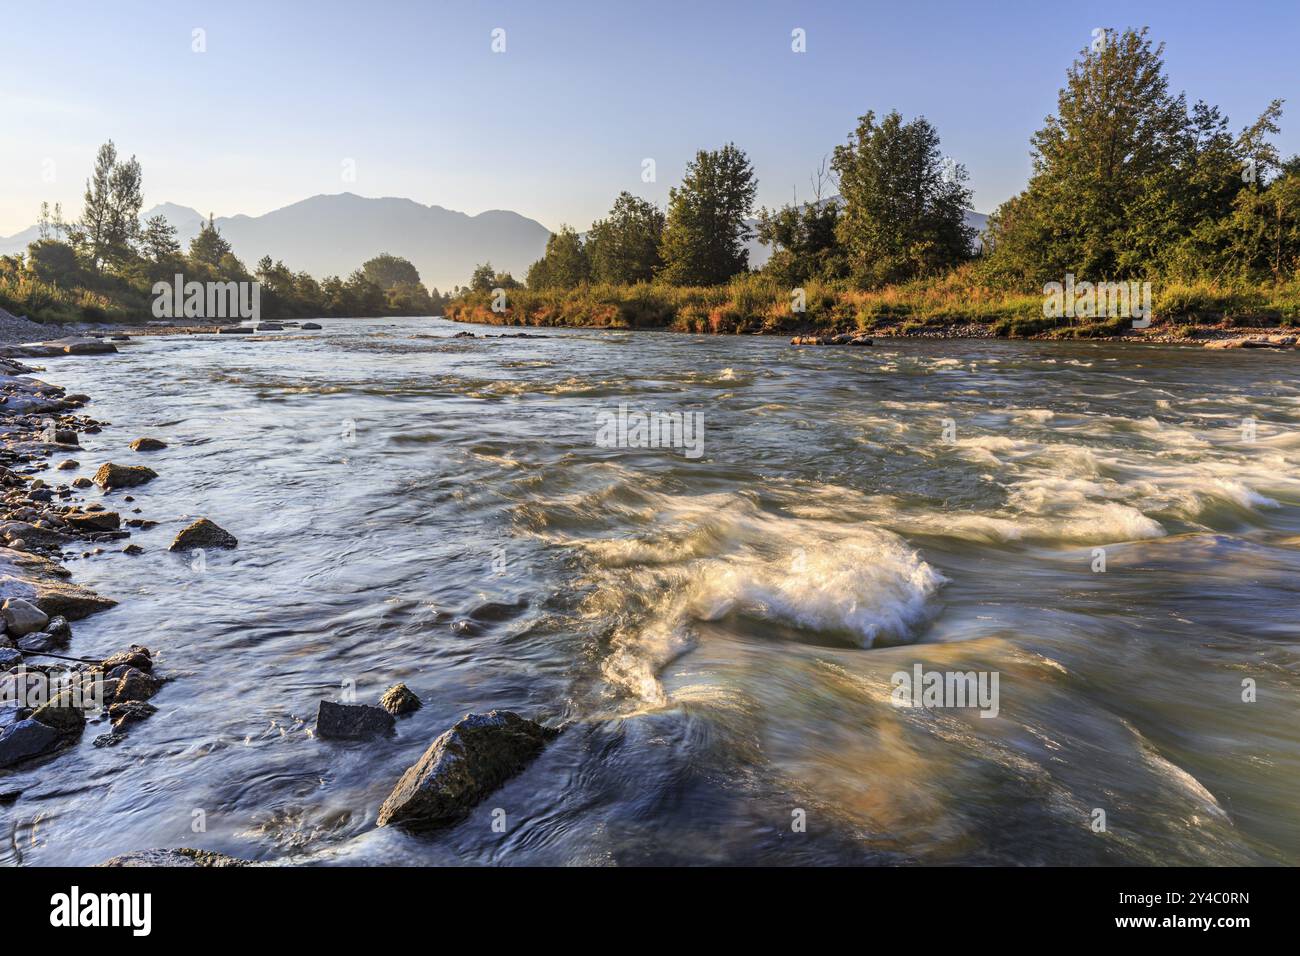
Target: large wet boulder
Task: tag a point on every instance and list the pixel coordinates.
(62, 714)
(22, 617)
(24, 739)
(204, 534)
(461, 767)
(181, 856)
(351, 721)
(112, 476)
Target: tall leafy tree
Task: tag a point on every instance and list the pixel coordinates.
(110, 220)
(904, 206)
(483, 277)
(158, 239)
(624, 246)
(564, 265)
(390, 272)
(705, 232)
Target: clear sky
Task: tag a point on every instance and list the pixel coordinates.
(560, 122)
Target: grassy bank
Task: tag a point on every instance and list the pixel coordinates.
(754, 304)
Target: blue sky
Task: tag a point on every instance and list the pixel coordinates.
(560, 122)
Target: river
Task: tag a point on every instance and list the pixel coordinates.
(1112, 531)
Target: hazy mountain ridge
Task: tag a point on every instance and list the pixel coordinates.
(334, 234)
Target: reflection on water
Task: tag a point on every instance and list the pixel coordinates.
(723, 630)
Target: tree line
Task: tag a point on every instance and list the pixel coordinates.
(103, 265)
(1129, 181)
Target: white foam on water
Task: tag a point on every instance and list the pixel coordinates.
(713, 556)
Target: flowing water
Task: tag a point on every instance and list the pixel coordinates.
(721, 632)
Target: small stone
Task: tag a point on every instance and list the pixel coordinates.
(148, 444)
(65, 436)
(9, 657)
(82, 482)
(351, 721)
(311, 325)
(59, 628)
(112, 476)
(22, 617)
(203, 534)
(133, 549)
(399, 699)
(138, 657)
(109, 740)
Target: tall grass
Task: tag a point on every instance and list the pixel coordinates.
(22, 294)
(754, 303)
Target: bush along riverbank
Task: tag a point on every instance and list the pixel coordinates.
(955, 305)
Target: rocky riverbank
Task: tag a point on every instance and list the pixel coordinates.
(49, 694)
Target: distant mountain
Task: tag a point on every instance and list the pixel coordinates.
(333, 235)
(19, 241)
(186, 221)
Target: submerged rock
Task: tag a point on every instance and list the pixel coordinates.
(461, 767)
(112, 476)
(129, 712)
(148, 444)
(840, 338)
(204, 534)
(94, 520)
(181, 856)
(1256, 342)
(399, 699)
(311, 325)
(351, 721)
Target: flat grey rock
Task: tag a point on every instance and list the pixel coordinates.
(352, 721)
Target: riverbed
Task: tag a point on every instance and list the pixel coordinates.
(1112, 530)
